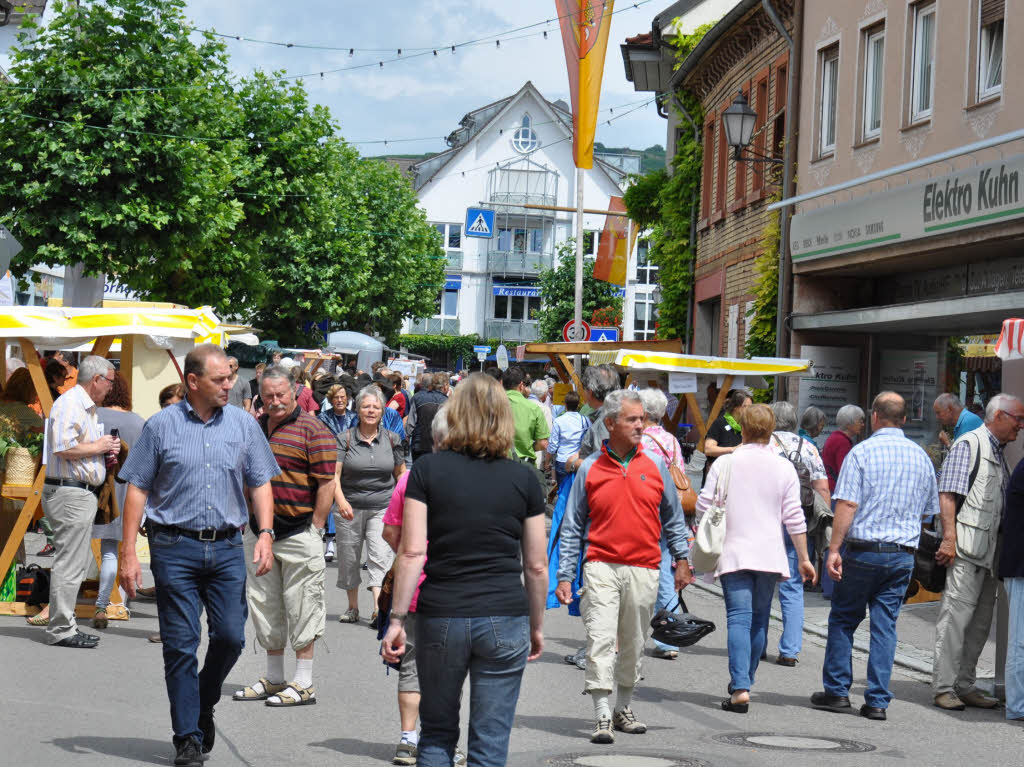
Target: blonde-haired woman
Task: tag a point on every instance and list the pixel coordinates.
(473, 616)
(762, 494)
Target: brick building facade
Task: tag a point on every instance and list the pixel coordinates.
(743, 52)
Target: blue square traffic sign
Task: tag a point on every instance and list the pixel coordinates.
(479, 223)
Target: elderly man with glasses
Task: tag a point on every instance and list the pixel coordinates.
(972, 490)
(76, 451)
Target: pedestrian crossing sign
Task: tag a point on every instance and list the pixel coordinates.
(479, 223)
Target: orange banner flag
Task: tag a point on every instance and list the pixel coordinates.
(613, 250)
(585, 28)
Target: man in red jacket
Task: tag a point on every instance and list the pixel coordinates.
(621, 501)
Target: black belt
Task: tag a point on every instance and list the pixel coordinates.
(208, 534)
(72, 483)
(880, 547)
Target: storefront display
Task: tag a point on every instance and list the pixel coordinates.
(834, 382)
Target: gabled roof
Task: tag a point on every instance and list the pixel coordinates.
(441, 161)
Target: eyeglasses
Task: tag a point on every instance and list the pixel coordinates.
(108, 380)
(1018, 418)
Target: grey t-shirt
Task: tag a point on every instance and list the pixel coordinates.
(239, 393)
(367, 471)
(595, 436)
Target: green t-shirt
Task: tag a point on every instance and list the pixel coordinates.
(530, 424)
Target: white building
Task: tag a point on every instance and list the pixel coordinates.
(511, 153)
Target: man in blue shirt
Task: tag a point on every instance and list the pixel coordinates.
(949, 412)
(191, 469)
(887, 484)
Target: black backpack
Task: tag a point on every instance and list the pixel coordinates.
(803, 474)
(422, 437)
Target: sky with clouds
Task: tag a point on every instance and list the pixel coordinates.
(424, 98)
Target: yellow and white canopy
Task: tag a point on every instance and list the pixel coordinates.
(57, 327)
(668, 362)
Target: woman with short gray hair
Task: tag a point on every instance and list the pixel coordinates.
(660, 442)
(811, 423)
(370, 459)
(791, 591)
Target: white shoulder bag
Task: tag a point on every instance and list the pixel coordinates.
(707, 547)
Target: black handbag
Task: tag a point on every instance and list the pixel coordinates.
(927, 572)
(33, 585)
(679, 629)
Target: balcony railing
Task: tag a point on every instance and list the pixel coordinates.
(511, 330)
(519, 263)
(453, 261)
(512, 202)
(434, 326)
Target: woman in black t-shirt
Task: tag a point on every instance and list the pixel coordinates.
(724, 433)
(483, 515)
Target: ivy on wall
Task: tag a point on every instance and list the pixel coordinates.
(660, 202)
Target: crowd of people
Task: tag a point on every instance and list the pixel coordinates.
(245, 490)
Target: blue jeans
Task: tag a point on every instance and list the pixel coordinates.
(492, 650)
(748, 606)
(560, 473)
(791, 601)
(666, 589)
(190, 575)
(1015, 649)
(877, 581)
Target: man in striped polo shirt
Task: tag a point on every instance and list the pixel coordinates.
(288, 603)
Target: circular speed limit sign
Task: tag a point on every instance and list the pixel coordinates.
(572, 333)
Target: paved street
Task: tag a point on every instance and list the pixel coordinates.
(108, 706)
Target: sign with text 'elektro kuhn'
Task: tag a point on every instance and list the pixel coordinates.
(985, 194)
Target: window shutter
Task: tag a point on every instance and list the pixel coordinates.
(992, 11)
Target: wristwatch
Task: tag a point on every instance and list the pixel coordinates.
(269, 531)
(321, 531)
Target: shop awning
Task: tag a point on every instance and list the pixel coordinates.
(691, 363)
(1011, 340)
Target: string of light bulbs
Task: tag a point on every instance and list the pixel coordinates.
(409, 55)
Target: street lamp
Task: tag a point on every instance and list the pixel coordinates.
(738, 121)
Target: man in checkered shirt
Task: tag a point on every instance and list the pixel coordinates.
(971, 496)
(886, 485)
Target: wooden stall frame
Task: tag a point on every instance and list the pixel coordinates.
(32, 495)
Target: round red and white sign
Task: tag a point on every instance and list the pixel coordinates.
(572, 333)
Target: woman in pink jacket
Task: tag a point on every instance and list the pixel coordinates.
(762, 493)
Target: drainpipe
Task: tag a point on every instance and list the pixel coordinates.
(693, 228)
(785, 295)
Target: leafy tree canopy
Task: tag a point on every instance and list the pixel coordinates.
(558, 287)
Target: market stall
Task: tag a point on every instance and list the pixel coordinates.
(151, 340)
(687, 372)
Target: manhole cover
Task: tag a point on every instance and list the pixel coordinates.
(777, 742)
(622, 760)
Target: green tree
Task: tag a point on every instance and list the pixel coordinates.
(88, 166)
(405, 263)
(558, 288)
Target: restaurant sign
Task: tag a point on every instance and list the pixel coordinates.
(966, 199)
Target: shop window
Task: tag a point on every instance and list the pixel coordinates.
(990, 48)
(874, 76)
(922, 71)
(827, 100)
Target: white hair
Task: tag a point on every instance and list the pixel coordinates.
(369, 391)
(848, 415)
(539, 388)
(1001, 401)
(655, 403)
(93, 366)
(613, 402)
